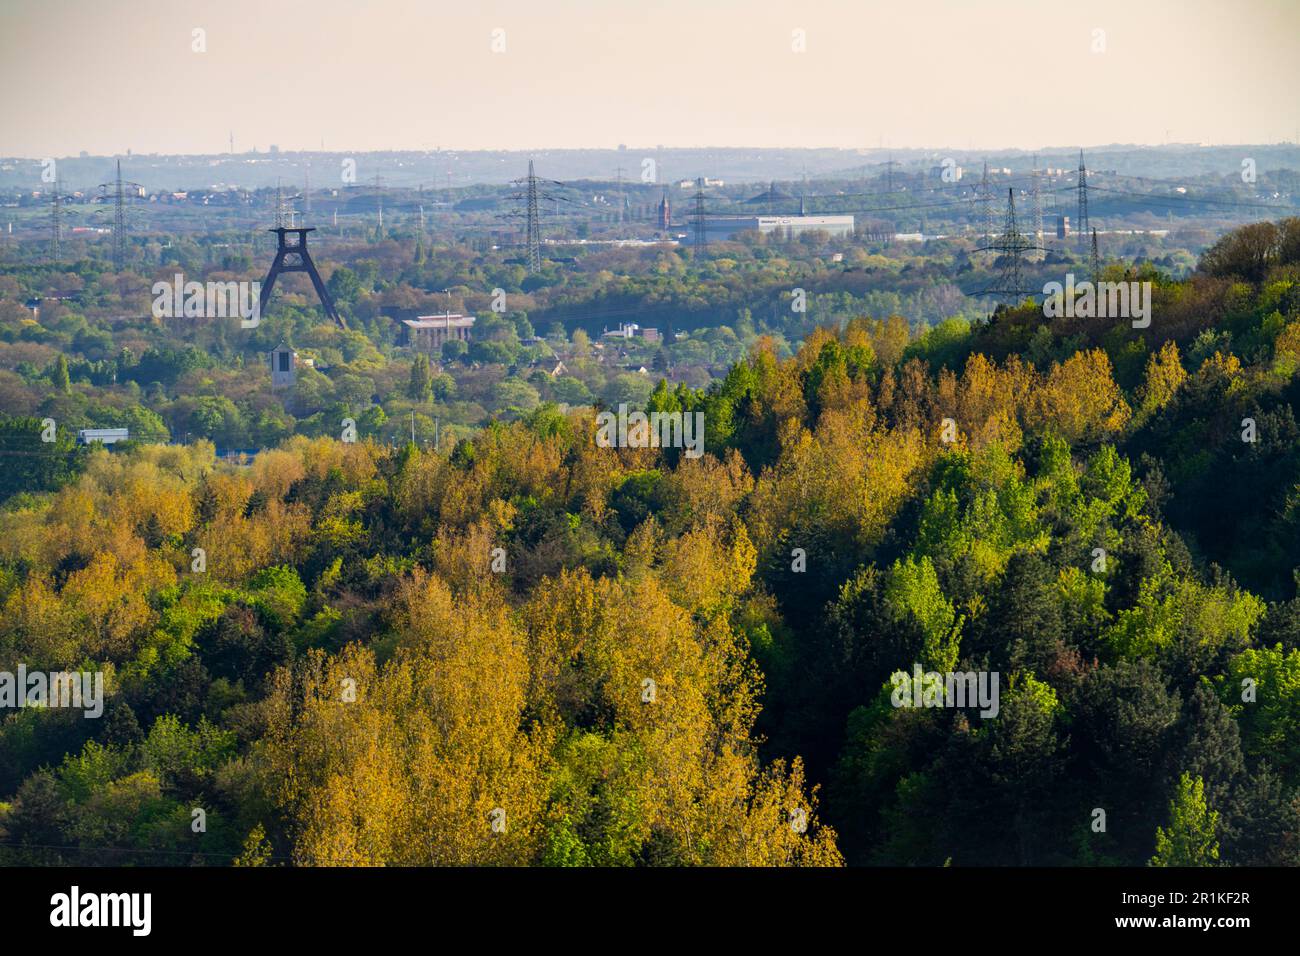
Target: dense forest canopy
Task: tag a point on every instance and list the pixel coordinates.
(523, 648)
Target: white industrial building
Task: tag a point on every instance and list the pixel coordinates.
(721, 228)
(105, 436)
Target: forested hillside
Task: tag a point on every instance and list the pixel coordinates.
(530, 649)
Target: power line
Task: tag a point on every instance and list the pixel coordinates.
(148, 851)
(1180, 200)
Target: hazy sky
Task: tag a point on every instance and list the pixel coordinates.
(108, 75)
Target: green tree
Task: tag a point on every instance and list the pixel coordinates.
(1190, 839)
(62, 383)
(343, 285)
(1263, 690)
(33, 464)
(454, 349)
(420, 387)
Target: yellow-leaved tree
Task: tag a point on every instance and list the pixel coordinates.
(657, 701)
(426, 759)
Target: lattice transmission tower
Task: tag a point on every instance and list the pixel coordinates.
(984, 201)
(56, 223)
(284, 210)
(1036, 205)
(1010, 248)
(379, 205)
(533, 231)
(118, 191)
(1081, 212)
(701, 235)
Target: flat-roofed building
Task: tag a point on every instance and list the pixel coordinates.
(106, 436)
(428, 332)
(721, 228)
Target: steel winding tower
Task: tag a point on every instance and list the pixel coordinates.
(292, 256)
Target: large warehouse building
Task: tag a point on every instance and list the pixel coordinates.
(718, 228)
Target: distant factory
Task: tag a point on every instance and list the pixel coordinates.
(631, 330)
(722, 228)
